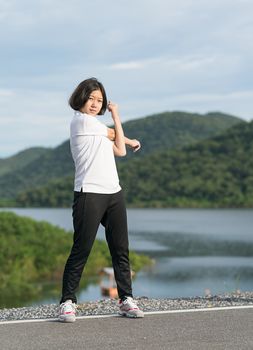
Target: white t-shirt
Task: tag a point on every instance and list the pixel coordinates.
(92, 152)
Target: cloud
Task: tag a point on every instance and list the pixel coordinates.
(126, 65)
(6, 93)
(151, 56)
(187, 62)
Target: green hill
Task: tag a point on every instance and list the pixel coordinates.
(171, 130)
(162, 131)
(21, 159)
(212, 173)
(53, 164)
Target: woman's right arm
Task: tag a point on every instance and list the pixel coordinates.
(119, 147)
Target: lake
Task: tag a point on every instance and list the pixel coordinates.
(195, 250)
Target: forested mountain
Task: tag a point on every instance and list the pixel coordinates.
(163, 131)
(170, 130)
(212, 173)
(21, 159)
(55, 163)
(217, 172)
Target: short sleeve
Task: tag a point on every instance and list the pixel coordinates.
(92, 126)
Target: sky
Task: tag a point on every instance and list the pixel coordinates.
(151, 56)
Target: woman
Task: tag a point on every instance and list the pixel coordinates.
(98, 197)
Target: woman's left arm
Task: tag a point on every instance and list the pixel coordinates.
(133, 143)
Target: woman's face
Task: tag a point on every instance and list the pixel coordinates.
(94, 103)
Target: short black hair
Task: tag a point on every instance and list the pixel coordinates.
(82, 92)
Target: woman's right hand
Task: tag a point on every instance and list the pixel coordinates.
(113, 108)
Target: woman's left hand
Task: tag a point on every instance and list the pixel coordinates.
(135, 145)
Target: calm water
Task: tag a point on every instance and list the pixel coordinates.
(195, 250)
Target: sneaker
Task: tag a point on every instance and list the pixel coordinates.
(67, 311)
(128, 308)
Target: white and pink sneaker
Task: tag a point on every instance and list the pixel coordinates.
(67, 311)
(129, 308)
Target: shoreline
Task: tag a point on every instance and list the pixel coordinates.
(110, 306)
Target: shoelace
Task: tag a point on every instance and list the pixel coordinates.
(131, 303)
(68, 304)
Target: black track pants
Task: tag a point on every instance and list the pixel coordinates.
(89, 210)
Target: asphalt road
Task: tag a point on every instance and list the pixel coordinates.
(203, 330)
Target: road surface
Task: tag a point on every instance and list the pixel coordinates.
(230, 329)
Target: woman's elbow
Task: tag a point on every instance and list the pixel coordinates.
(122, 153)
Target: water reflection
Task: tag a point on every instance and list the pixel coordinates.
(190, 264)
(180, 244)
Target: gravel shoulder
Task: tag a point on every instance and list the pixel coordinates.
(110, 306)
